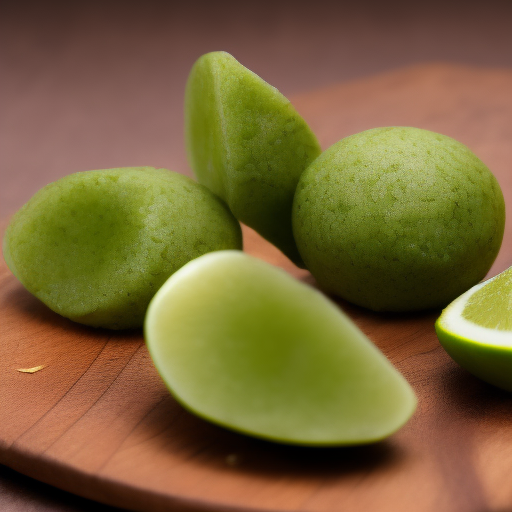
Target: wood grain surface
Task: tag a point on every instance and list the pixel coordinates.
(97, 420)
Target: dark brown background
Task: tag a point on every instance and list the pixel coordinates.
(101, 84)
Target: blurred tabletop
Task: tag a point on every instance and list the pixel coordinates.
(101, 85)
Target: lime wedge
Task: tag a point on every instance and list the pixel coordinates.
(476, 330)
(245, 345)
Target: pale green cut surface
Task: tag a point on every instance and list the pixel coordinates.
(491, 305)
(243, 344)
(95, 246)
(398, 219)
(246, 142)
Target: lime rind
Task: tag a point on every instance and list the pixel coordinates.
(453, 322)
(484, 351)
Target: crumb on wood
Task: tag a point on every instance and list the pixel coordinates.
(34, 369)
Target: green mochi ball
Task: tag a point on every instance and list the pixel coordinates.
(398, 219)
(95, 246)
(245, 345)
(247, 144)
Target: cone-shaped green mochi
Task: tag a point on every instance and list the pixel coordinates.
(243, 344)
(95, 246)
(246, 142)
(398, 219)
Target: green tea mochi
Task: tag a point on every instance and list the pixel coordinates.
(245, 345)
(247, 144)
(95, 246)
(398, 219)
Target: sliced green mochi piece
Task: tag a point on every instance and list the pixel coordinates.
(246, 143)
(95, 246)
(243, 344)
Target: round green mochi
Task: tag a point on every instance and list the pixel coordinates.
(398, 219)
(95, 246)
(247, 144)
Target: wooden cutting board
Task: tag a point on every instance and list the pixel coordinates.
(97, 420)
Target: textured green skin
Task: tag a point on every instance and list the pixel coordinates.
(95, 246)
(245, 345)
(398, 219)
(493, 364)
(247, 144)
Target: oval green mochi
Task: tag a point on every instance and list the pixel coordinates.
(95, 246)
(398, 219)
(247, 144)
(243, 344)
